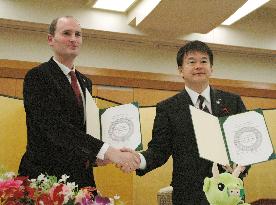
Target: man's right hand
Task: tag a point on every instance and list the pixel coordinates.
(127, 160)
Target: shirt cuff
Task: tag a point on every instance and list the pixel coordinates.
(143, 163)
(102, 151)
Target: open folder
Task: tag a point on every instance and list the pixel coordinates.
(119, 126)
(241, 138)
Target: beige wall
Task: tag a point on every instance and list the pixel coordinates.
(256, 30)
(260, 182)
(32, 46)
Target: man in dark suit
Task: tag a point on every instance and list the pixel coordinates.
(54, 101)
(173, 132)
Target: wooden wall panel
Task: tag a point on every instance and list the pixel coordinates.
(149, 97)
(7, 86)
(110, 180)
(94, 90)
(19, 88)
(136, 79)
(13, 132)
(147, 186)
(255, 102)
(117, 94)
(261, 180)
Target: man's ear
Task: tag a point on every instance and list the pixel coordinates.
(212, 69)
(50, 39)
(180, 70)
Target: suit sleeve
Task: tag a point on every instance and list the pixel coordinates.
(160, 147)
(46, 124)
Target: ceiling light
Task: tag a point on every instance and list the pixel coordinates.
(248, 7)
(114, 5)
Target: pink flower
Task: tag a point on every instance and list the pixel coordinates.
(57, 193)
(79, 197)
(46, 190)
(10, 183)
(44, 199)
(99, 200)
(88, 191)
(85, 196)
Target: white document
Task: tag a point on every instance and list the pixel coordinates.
(209, 137)
(121, 126)
(244, 135)
(118, 126)
(93, 126)
(247, 138)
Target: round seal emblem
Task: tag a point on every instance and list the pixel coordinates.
(248, 139)
(121, 129)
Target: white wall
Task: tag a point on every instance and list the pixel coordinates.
(32, 46)
(256, 30)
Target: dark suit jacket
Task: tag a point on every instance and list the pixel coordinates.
(173, 134)
(56, 139)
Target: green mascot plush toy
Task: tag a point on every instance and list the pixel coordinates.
(225, 188)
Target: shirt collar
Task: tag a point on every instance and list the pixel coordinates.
(64, 68)
(194, 95)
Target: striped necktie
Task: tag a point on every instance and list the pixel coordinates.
(201, 101)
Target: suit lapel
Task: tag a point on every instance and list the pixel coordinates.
(215, 100)
(82, 83)
(185, 100)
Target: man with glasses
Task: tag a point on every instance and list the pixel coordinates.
(173, 133)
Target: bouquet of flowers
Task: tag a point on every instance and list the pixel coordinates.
(47, 190)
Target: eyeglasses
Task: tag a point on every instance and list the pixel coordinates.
(192, 62)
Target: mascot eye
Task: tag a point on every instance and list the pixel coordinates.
(221, 186)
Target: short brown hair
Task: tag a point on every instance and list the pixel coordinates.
(53, 25)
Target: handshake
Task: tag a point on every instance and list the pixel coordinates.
(126, 159)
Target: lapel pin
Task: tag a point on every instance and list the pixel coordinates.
(225, 110)
(218, 101)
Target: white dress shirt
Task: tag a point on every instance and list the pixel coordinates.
(205, 93)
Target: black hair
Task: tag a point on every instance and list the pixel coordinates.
(193, 46)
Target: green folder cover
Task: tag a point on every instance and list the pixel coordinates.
(248, 138)
(122, 127)
(119, 126)
(241, 138)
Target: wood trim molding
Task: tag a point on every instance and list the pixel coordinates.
(122, 78)
(264, 202)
